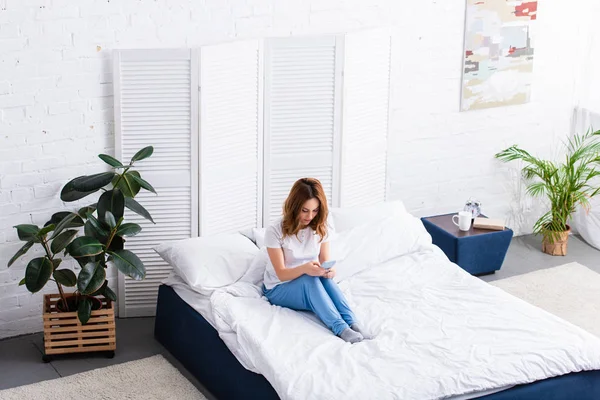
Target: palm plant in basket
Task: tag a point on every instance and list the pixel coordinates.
(565, 185)
(101, 243)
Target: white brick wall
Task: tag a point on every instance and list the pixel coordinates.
(590, 73)
(56, 99)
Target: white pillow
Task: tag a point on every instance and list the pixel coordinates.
(345, 218)
(255, 274)
(211, 262)
(259, 236)
(373, 243)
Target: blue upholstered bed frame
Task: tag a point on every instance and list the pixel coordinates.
(196, 344)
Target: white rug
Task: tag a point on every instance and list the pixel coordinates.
(149, 378)
(570, 291)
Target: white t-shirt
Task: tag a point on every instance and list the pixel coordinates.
(296, 250)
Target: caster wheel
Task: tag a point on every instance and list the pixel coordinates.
(46, 358)
(110, 354)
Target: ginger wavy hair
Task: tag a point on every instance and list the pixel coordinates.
(305, 189)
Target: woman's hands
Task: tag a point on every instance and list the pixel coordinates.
(313, 268)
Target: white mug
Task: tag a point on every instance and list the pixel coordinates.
(464, 220)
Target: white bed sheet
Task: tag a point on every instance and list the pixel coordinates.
(201, 303)
(439, 333)
(198, 301)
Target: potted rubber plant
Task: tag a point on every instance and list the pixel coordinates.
(565, 185)
(94, 236)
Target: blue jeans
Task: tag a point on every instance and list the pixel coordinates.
(319, 295)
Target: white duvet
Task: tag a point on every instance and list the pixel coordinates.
(439, 332)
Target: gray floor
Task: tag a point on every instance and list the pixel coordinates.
(525, 255)
(21, 357)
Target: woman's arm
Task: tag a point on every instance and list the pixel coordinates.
(324, 253)
(312, 268)
(324, 256)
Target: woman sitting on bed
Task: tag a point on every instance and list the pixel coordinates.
(297, 245)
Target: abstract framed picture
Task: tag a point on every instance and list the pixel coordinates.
(498, 53)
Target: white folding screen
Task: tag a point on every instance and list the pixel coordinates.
(234, 125)
(156, 103)
(230, 143)
(365, 118)
(302, 111)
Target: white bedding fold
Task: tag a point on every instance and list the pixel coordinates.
(439, 332)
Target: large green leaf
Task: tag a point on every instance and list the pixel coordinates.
(27, 232)
(138, 209)
(65, 277)
(84, 211)
(84, 246)
(56, 262)
(100, 290)
(57, 218)
(92, 182)
(143, 183)
(91, 229)
(62, 240)
(126, 184)
(69, 193)
(109, 218)
(91, 277)
(84, 310)
(113, 201)
(108, 293)
(129, 264)
(110, 160)
(100, 227)
(142, 154)
(71, 220)
(45, 230)
(129, 229)
(37, 273)
(21, 252)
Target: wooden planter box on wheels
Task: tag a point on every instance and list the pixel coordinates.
(64, 333)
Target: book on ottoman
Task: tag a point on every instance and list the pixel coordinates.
(495, 224)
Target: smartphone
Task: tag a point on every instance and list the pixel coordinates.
(328, 264)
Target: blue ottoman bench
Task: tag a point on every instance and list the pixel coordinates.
(477, 251)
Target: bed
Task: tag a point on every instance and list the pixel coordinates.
(439, 332)
(187, 335)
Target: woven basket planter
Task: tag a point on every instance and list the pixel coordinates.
(559, 247)
(64, 333)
